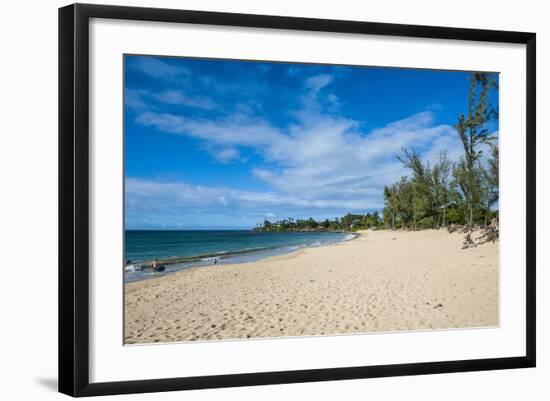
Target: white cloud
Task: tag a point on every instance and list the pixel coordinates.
(330, 162)
(334, 102)
(318, 82)
(133, 98)
(152, 202)
(139, 100)
(324, 169)
(238, 129)
(321, 164)
(227, 155)
(158, 68)
(434, 106)
(262, 174)
(179, 98)
(293, 70)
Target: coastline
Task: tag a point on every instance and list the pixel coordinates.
(379, 281)
(247, 255)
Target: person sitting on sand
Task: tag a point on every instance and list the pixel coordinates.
(154, 265)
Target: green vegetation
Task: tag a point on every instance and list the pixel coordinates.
(451, 193)
(438, 195)
(349, 222)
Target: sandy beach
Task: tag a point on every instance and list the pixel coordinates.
(380, 281)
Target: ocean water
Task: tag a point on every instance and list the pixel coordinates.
(184, 249)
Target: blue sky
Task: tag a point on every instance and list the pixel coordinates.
(219, 144)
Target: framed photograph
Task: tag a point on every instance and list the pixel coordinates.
(250, 199)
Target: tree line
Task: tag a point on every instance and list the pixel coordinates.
(349, 222)
(439, 194)
(463, 192)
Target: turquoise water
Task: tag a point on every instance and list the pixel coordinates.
(203, 248)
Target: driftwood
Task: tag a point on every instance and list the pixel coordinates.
(489, 233)
(452, 228)
(468, 242)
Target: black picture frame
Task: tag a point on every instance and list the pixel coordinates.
(74, 199)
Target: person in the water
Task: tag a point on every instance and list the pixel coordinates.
(154, 265)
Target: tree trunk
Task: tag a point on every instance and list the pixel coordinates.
(444, 216)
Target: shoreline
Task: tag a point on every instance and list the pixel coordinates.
(380, 281)
(224, 258)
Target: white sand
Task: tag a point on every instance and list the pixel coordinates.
(381, 281)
